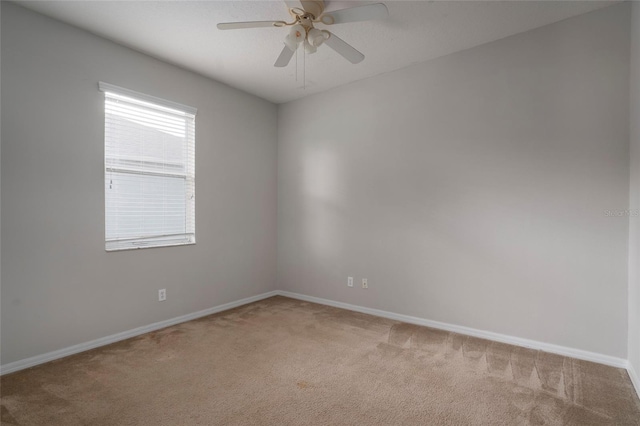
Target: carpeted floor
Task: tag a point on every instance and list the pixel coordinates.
(286, 362)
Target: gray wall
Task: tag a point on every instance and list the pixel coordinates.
(634, 208)
(472, 189)
(59, 286)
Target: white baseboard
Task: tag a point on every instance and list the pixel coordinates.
(634, 378)
(517, 341)
(547, 347)
(81, 347)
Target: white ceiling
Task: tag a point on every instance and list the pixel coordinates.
(184, 33)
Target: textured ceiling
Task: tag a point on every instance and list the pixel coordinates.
(185, 33)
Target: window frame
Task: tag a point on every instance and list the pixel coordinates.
(157, 240)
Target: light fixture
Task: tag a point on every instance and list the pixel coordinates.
(297, 35)
(309, 48)
(316, 37)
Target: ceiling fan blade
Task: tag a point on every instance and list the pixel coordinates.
(252, 24)
(343, 48)
(284, 58)
(314, 7)
(355, 14)
(294, 3)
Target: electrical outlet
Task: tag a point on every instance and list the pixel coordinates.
(365, 284)
(350, 282)
(162, 295)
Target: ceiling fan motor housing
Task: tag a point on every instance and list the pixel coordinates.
(313, 7)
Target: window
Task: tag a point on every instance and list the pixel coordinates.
(149, 174)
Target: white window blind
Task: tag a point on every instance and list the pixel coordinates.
(149, 147)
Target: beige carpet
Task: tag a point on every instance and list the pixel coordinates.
(286, 362)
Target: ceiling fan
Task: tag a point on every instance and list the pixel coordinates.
(306, 13)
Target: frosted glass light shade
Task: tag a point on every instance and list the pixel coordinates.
(309, 48)
(316, 37)
(296, 35)
(298, 32)
(290, 42)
